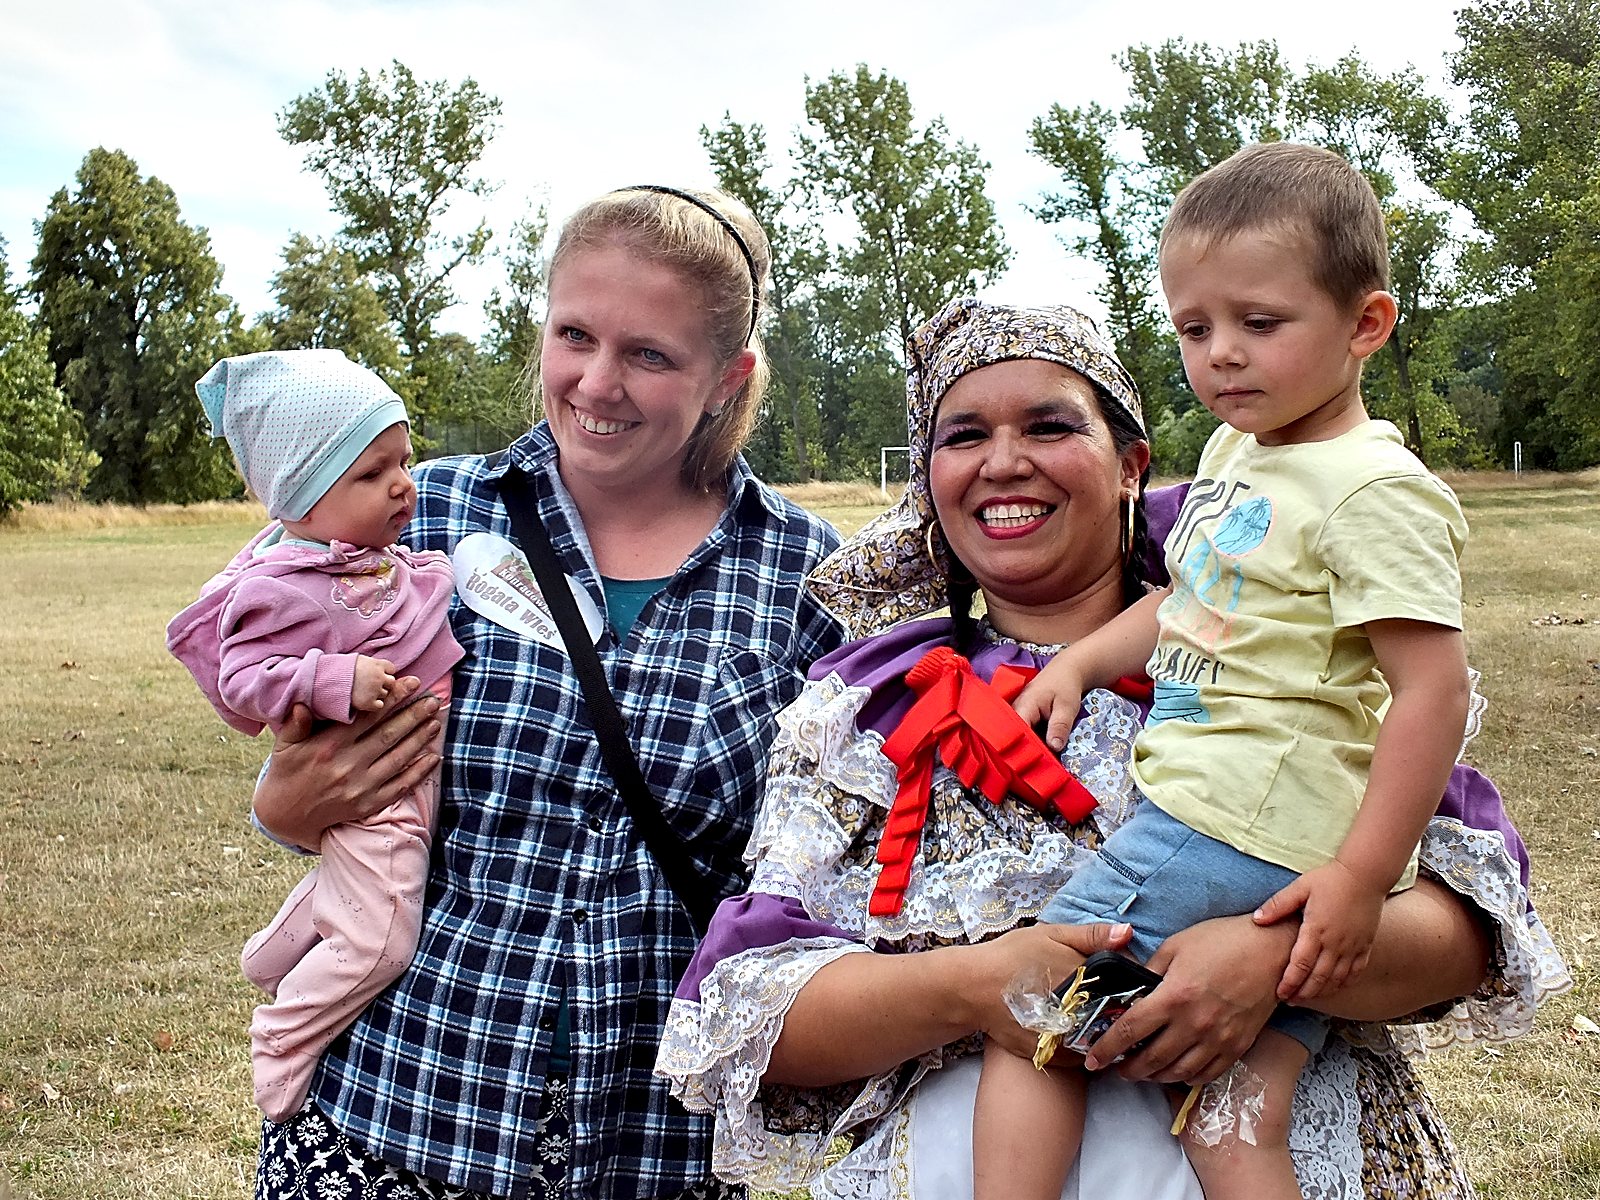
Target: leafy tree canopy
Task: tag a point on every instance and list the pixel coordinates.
(1527, 168)
(129, 294)
(926, 230)
(395, 153)
(325, 302)
(1191, 106)
(41, 437)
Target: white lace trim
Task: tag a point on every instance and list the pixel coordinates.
(819, 730)
(1476, 864)
(984, 894)
(1477, 702)
(714, 1054)
(1324, 1128)
(878, 1169)
(799, 839)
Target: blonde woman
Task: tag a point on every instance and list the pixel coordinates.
(513, 1058)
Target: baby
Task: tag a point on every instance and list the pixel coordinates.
(322, 609)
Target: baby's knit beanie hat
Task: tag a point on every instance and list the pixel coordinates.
(296, 420)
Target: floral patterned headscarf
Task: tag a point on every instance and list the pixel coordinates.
(887, 572)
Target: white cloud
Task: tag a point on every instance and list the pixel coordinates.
(593, 96)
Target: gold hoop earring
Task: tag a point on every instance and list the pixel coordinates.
(927, 540)
(1127, 531)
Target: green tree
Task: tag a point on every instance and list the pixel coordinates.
(786, 445)
(1404, 382)
(1527, 167)
(926, 231)
(513, 312)
(326, 302)
(487, 410)
(1191, 106)
(1116, 208)
(860, 382)
(492, 405)
(1528, 150)
(41, 436)
(1572, 419)
(395, 153)
(129, 294)
(1390, 128)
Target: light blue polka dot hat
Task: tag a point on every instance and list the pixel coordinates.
(296, 420)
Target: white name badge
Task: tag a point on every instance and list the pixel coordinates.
(494, 580)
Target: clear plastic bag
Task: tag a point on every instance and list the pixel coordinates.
(1074, 1018)
(1227, 1107)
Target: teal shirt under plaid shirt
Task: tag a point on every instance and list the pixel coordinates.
(538, 889)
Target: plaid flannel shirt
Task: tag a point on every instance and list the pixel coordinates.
(539, 888)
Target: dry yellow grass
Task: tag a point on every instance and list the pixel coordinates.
(1526, 1116)
(69, 516)
(128, 878)
(820, 496)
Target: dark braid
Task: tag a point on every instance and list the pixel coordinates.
(1144, 559)
(1143, 563)
(962, 589)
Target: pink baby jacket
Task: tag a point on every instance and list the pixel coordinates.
(285, 628)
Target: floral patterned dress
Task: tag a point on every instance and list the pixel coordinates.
(1364, 1125)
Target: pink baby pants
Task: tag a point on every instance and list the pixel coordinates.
(345, 933)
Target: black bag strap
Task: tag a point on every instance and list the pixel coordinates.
(616, 749)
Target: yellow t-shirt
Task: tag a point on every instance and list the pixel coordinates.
(1268, 696)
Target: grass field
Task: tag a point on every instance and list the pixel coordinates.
(128, 877)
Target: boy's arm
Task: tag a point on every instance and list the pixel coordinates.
(1426, 669)
(1122, 646)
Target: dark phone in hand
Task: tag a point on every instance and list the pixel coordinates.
(1112, 982)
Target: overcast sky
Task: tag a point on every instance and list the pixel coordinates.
(595, 95)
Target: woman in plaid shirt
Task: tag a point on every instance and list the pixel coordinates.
(513, 1058)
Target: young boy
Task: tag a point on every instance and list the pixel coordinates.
(1315, 570)
(321, 609)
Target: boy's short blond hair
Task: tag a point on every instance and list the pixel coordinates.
(1310, 190)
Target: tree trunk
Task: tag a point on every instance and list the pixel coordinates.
(1402, 369)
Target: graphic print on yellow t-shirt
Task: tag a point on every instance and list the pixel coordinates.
(1267, 692)
(1205, 598)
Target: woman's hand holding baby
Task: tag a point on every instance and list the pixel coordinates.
(319, 777)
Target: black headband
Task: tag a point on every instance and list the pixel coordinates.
(744, 249)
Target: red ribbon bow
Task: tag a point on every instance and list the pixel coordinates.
(972, 727)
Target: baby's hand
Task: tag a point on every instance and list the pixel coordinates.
(374, 683)
(1055, 692)
(1340, 920)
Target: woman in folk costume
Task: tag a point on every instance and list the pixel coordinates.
(849, 992)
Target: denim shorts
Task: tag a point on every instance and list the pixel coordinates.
(1160, 876)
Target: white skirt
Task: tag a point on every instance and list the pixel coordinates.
(1128, 1151)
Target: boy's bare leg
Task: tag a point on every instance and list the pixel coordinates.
(1236, 1170)
(1027, 1126)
